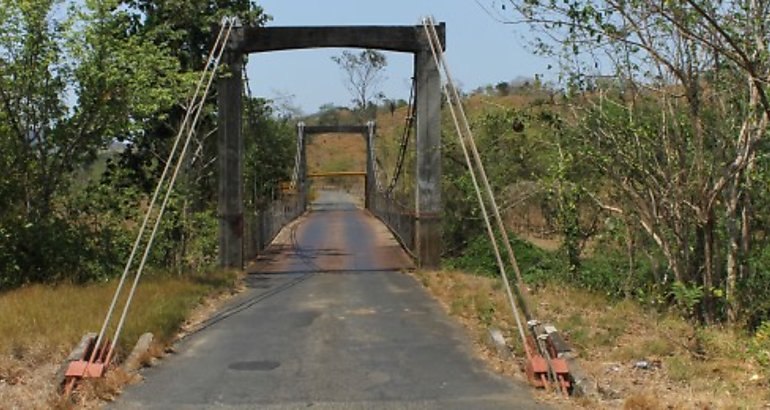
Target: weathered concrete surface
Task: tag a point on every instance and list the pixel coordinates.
(359, 336)
(428, 237)
(391, 38)
(78, 353)
(496, 342)
(134, 360)
(230, 163)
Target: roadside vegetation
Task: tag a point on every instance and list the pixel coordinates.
(642, 353)
(656, 145)
(595, 271)
(639, 358)
(42, 323)
(92, 95)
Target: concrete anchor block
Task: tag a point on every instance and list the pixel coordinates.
(583, 384)
(496, 341)
(134, 361)
(78, 353)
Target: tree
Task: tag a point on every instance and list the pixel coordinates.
(73, 82)
(70, 84)
(503, 88)
(328, 114)
(677, 135)
(184, 28)
(270, 145)
(363, 75)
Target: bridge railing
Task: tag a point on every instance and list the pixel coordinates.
(396, 216)
(262, 225)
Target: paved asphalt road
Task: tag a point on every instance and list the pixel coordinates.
(328, 322)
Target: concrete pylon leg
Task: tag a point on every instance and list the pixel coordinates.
(428, 233)
(230, 158)
(370, 183)
(302, 183)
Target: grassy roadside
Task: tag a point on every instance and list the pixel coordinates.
(690, 367)
(40, 324)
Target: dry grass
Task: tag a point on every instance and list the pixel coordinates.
(476, 302)
(92, 393)
(691, 367)
(40, 324)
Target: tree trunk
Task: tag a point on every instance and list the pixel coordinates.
(709, 311)
(630, 252)
(743, 265)
(733, 247)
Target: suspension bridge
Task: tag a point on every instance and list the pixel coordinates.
(328, 320)
(424, 238)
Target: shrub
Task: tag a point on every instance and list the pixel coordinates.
(760, 344)
(537, 265)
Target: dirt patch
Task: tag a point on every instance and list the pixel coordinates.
(206, 309)
(27, 378)
(640, 359)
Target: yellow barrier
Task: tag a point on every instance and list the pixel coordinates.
(336, 174)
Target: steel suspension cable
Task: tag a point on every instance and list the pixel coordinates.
(491, 233)
(404, 140)
(435, 46)
(454, 99)
(485, 180)
(229, 24)
(153, 200)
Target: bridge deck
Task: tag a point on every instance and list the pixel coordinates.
(361, 335)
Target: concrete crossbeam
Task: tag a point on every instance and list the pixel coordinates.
(408, 39)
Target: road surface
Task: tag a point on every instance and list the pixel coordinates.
(328, 322)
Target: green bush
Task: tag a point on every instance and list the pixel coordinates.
(537, 265)
(91, 240)
(760, 344)
(754, 289)
(605, 271)
(46, 250)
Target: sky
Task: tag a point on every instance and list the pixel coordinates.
(480, 51)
